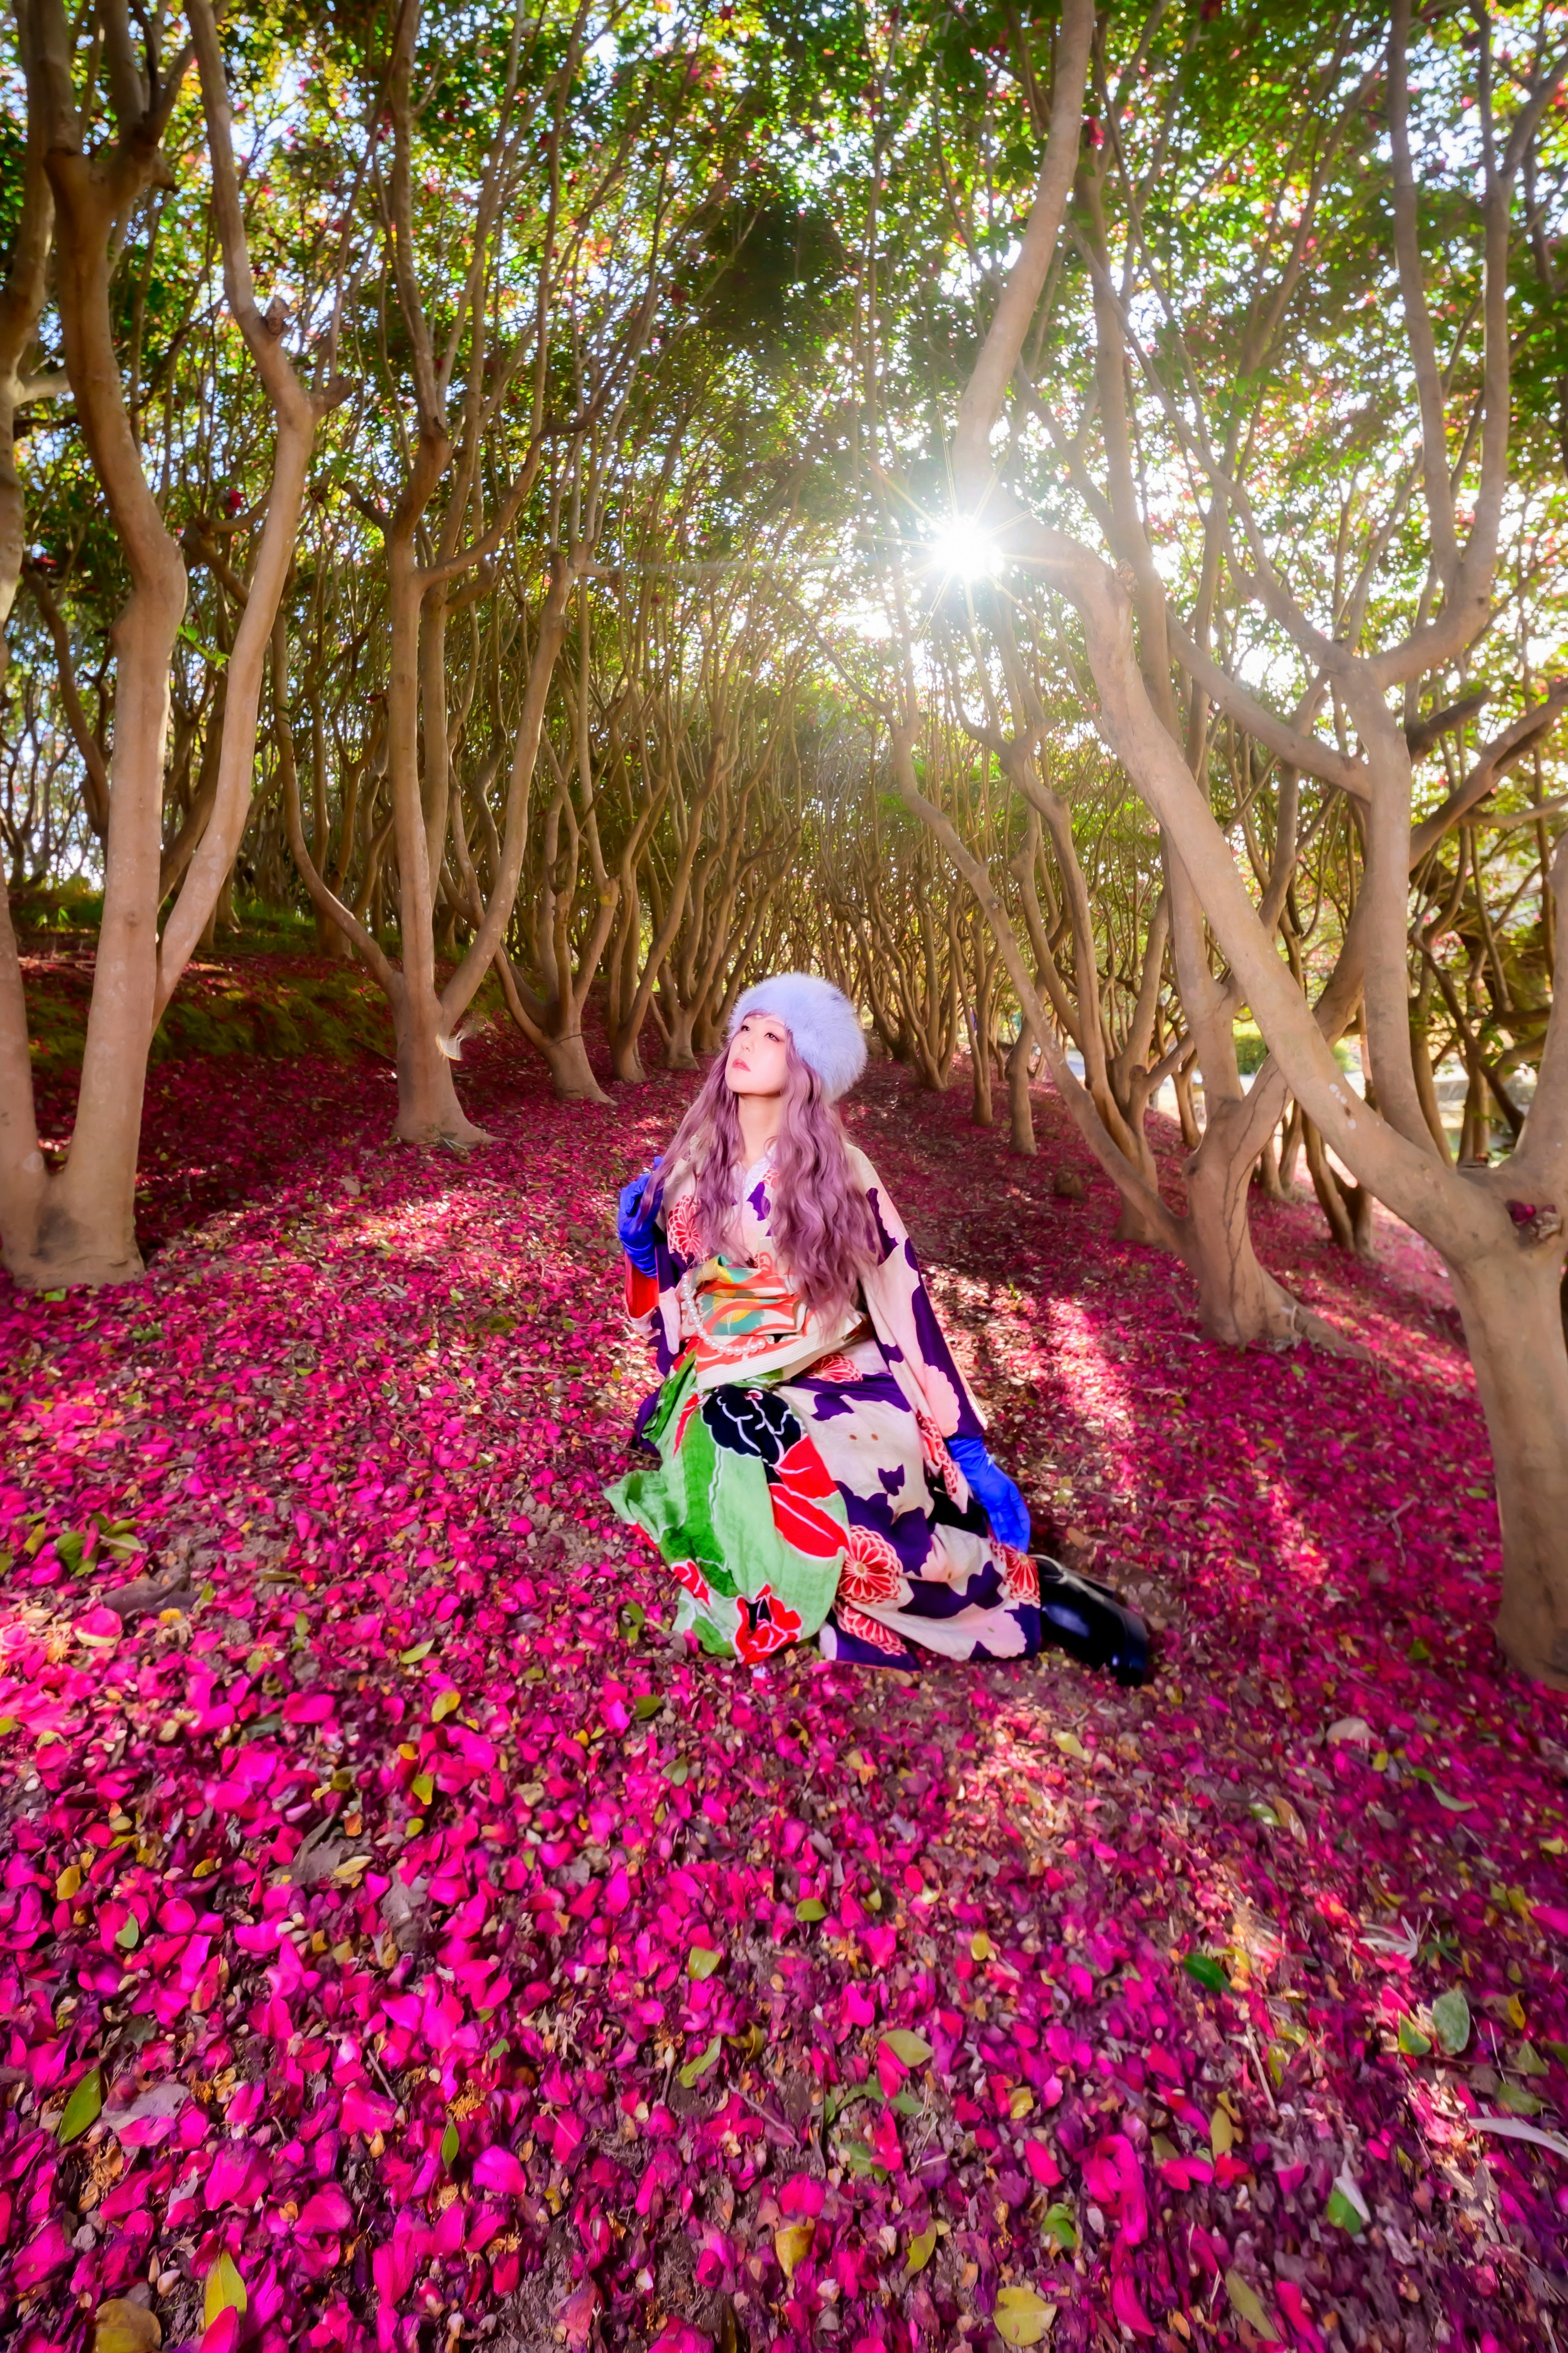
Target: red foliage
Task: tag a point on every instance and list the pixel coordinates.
(444, 1944)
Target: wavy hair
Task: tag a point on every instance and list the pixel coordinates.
(821, 1220)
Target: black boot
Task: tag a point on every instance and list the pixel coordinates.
(1086, 1619)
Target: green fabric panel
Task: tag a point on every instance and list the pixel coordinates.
(704, 1504)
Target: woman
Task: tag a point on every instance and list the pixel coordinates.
(822, 1467)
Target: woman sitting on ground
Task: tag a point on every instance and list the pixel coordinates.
(822, 1467)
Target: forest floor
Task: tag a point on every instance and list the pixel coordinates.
(400, 1944)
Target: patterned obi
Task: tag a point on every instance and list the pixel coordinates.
(743, 1321)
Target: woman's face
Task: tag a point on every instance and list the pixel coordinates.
(758, 1056)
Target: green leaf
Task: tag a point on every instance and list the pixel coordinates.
(849, 2094)
(446, 1704)
(1347, 2209)
(694, 2069)
(128, 1935)
(906, 2102)
(679, 1773)
(810, 1908)
(1519, 2100)
(1451, 2021)
(1528, 2061)
(631, 1618)
(1245, 2301)
(224, 2291)
(1206, 1970)
(861, 2160)
(212, 655)
(423, 1787)
(1411, 2041)
(450, 2146)
(68, 1547)
(1060, 2229)
(647, 1704)
(921, 2251)
(905, 2044)
(411, 1658)
(703, 1960)
(82, 2108)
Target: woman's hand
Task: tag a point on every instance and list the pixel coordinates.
(1004, 1506)
(634, 1221)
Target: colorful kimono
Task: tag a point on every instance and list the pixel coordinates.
(802, 1483)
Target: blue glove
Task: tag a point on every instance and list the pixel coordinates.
(635, 1223)
(1005, 1508)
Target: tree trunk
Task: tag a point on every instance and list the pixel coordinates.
(626, 1061)
(1510, 1303)
(1020, 1104)
(1181, 1082)
(982, 1111)
(678, 1054)
(1347, 1207)
(79, 1227)
(1240, 1306)
(571, 1069)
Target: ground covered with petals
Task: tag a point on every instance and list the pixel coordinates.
(399, 1944)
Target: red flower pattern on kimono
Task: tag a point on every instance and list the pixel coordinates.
(766, 1625)
(683, 1229)
(795, 1490)
(868, 1629)
(686, 1572)
(873, 1571)
(1020, 1578)
(836, 1368)
(933, 1446)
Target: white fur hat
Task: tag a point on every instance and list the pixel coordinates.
(823, 1024)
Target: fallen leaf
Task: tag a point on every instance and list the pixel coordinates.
(921, 2249)
(1451, 2021)
(224, 2291)
(1245, 2300)
(121, 2327)
(1347, 2208)
(792, 2244)
(1021, 2316)
(693, 2071)
(82, 2108)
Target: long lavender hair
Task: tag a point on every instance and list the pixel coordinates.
(823, 1224)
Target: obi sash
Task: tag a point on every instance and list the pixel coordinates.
(747, 1323)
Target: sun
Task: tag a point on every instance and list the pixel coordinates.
(962, 549)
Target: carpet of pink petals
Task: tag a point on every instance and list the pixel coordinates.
(398, 1937)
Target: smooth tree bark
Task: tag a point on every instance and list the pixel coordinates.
(77, 1224)
(1500, 1232)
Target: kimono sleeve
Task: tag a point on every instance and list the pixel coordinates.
(900, 1308)
(651, 1301)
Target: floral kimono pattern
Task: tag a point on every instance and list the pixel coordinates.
(796, 1478)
